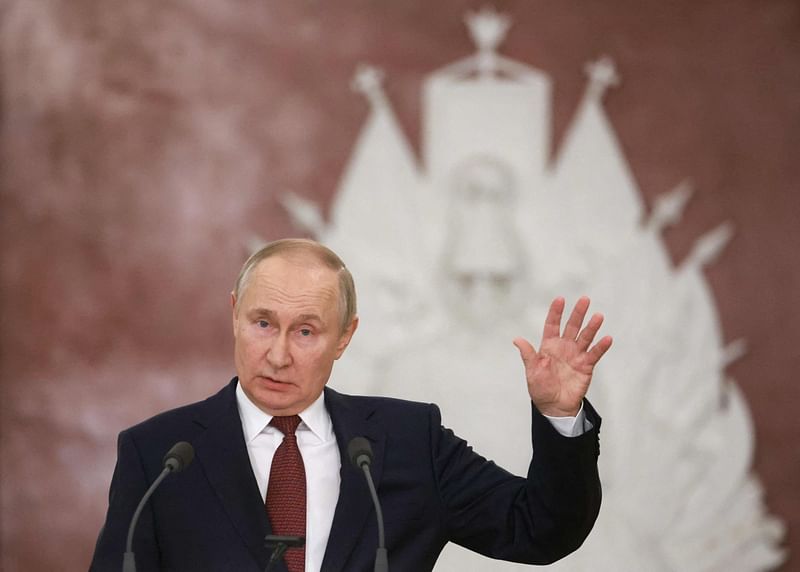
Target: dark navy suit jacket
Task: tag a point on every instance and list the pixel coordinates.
(433, 488)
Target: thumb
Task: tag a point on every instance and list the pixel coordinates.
(526, 350)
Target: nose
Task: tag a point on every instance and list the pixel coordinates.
(278, 355)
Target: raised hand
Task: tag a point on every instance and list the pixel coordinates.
(559, 374)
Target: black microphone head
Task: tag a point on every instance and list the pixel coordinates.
(360, 451)
(179, 457)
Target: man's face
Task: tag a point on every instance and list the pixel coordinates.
(287, 332)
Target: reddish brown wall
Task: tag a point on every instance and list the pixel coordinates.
(144, 142)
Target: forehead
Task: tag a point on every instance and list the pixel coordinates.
(297, 281)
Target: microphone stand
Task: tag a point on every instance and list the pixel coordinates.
(177, 459)
(360, 452)
(381, 556)
(129, 559)
(279, 545)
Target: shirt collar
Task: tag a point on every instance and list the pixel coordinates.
(254, 421)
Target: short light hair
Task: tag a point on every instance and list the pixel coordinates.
(302, 246)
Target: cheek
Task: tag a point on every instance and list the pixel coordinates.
(315, 362)
(249, 344)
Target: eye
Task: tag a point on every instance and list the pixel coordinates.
(305, 332)
(263, 324)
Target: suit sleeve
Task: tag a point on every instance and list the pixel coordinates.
(536, 520)
(128, 486)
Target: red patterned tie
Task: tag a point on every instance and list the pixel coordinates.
(286, 491)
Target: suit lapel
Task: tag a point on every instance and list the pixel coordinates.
(354, 506)
(223, 455)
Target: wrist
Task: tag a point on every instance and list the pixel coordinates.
(553, 411)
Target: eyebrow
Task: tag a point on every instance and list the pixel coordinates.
(273, 316)
(309, 318)
(261, 312)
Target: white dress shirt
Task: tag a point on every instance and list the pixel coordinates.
(317, 443)
(571, 426)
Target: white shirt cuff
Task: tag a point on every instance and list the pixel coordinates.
(571, 426)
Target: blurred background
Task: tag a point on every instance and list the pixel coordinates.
(146, 145)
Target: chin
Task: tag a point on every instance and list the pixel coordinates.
(269, 401)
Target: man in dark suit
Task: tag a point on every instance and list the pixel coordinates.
(277, 433)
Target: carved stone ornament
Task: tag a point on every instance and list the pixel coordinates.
(458, 251)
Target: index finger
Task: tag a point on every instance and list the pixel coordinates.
(552, 324)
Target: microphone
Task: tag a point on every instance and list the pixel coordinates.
(360, 452)
(177, 459)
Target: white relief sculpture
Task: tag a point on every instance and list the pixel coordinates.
(483, 263)
(459, 252)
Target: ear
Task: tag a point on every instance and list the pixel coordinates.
(233, 310)
(346, 336)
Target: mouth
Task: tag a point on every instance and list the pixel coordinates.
(272, 383)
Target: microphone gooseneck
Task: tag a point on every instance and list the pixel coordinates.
(177, 459)
(359, 451)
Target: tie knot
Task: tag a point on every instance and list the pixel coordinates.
(286, 425)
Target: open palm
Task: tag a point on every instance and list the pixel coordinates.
(559, 374)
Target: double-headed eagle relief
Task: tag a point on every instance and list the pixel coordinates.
(458, 251)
